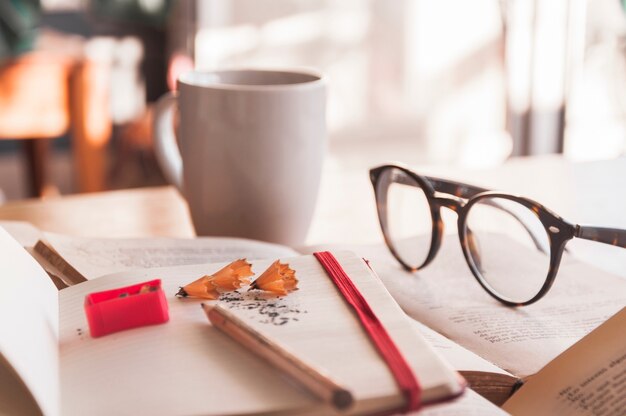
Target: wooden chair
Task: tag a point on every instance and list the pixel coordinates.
(35, 107)
(43, 95)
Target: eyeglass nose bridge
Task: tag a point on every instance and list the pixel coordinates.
(436, 203)
(453, 203)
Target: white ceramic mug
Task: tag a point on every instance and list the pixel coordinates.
(249, 153)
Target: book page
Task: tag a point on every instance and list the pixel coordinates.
(446, 297)
(587, 379)
(181, 364)
(28, 324)
(94, 257)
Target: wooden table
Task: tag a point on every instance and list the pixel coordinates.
(129, 213)
(584, 193)
(592, 192)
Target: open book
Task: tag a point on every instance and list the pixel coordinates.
(492, 346)
(446, 297)
(187, 367)
(570, 385)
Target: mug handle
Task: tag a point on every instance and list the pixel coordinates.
(165, 145)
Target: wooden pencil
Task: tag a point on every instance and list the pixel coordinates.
(312, 379)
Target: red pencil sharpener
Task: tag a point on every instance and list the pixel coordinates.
(126, 307)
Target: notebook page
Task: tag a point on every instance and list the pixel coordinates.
(459, 357)
(446, 297)
(181, 367)
(470, 404)
(15, 398)
(23, 232)
(94, 257)
(177, 363)
(324, 332)
(29, 323)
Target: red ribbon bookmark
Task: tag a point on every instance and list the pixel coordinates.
(405, 379)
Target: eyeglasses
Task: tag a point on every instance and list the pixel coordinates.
(513, 245)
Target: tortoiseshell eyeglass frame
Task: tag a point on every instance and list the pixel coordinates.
(460, 197)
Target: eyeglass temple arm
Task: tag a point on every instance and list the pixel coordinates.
(612, 236)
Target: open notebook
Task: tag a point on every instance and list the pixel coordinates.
(188, 367)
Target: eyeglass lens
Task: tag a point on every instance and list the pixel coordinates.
(405, 214)
(509, 248)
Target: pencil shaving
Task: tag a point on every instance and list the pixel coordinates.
(279, 278)
(227, 279)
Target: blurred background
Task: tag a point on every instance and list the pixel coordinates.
(468, 84)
